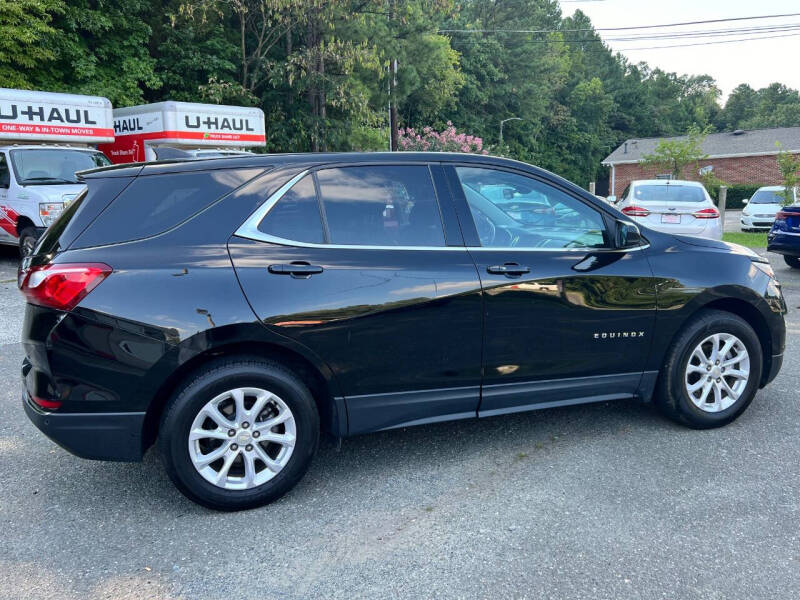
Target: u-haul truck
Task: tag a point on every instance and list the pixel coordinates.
(44, 139)
(202, 129)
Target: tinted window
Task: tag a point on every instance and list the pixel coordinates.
(154, 203)
(512, 210)
(296, 215)
(668, 193)
(381, 206)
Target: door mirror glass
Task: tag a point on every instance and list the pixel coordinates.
(612, 199)
(628, 235)
(746, 200)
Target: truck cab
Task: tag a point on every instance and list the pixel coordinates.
(36, 183)
(45, 138)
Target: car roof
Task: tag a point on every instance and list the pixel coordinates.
(308, 160)
(666, 182)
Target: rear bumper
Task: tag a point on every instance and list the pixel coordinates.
(96, 436)
(782, 243)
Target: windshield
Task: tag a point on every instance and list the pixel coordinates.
(53, 165)
(668, 193)
(767, 197)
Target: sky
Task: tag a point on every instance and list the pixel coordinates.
(755, 62)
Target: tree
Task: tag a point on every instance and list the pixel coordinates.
(24, 27)
(789, 166)
(677, 154)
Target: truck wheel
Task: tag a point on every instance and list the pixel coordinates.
(239, 433)
(27, 241)
(792, 261)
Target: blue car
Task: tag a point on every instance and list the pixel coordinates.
(784, 237)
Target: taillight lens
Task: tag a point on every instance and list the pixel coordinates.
(635, 211)
(62, 286)
(782, 215)
(706, 213)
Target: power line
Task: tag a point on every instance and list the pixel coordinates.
(732, 19)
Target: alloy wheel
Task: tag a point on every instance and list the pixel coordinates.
(717, 372)
(242, 438)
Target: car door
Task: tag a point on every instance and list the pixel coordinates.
(568, 318)
(361, 265)
(8, 221)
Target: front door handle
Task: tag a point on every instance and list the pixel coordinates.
(298, 270)
(509, 270)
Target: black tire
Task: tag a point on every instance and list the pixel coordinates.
(792, 261)
(27, 241)
(216, 378)
(671, 395)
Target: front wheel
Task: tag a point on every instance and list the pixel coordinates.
(239, 434)
(792, 261)
(712, 371)
(27, 241)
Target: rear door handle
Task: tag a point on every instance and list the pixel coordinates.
(509, 270)
(298, 270)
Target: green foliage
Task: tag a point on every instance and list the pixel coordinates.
(736, 194)
(320, 70)
(751, 240)
(789, 166)
(677, 154)
(24, 26)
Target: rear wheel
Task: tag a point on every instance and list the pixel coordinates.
(712, 371)
(239, 434)
(792, 261)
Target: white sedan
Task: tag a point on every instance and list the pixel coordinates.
(759, 212)
(672, 206)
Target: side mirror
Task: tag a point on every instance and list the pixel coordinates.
(612, 199)
(628, 235)
(745, 200)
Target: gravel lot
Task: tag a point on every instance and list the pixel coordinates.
(601, 501)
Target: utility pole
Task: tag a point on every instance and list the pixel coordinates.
(393, 106)
(503, 122)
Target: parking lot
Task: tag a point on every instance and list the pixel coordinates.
(600, 501)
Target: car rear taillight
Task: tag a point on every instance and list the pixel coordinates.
(782, 215)
(635, 211)
(46, 404)
(61, 286)
(706, 213)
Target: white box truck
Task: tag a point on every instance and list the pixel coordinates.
(44, 139)
(203, 130)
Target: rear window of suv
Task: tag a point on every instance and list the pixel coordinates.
(152, 204)
(668, 193)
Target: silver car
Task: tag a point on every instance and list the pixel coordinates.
(672, 206)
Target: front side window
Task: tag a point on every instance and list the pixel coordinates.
(53, 166)
(512, 210)
(393, 205)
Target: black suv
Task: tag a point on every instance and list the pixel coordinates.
(233, 308)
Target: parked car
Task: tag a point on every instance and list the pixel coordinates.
(760, 210)
(784, 237)
(232, 308)
(672, 206)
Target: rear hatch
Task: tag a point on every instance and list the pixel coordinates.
(671, 207)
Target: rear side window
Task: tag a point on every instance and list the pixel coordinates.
(152, 204)
(392, 205)
(296, 215)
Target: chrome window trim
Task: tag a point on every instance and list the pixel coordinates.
(249, 230)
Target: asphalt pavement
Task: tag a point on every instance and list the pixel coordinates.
(601, 501)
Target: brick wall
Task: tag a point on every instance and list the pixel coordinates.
(748, 169)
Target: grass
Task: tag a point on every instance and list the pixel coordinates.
(751, 240)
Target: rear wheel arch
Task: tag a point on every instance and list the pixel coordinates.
(332, 416)
(24, 222)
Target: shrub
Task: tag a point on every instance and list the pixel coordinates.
(448, 140)
(737, 193)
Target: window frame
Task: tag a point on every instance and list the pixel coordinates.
(249, 229)
(459, 196)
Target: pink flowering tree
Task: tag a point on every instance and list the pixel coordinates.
(449, 140)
